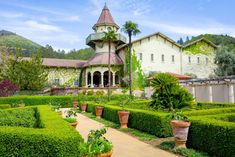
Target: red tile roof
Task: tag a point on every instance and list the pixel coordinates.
(102, 59)
(179, 76)
(68, 63)
(105, 18)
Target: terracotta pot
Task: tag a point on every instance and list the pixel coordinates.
(108, 154)
(180, 132)
(75, 104)
(98, 111)
(83, 106)
(123, 118)
(74, 124)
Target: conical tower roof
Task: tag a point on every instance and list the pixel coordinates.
(105, 18)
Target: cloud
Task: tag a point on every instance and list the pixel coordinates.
(213, 28)
(11, 14)
(42, 27)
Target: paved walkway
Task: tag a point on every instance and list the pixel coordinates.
(124, 145)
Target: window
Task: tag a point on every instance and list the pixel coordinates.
(173, 58)
(163, 58)
(198, 60)
(152, 57)
(189, 59)
(207, 60)
(141, 56)
(75, 82)
(57, 81)
(109, 29)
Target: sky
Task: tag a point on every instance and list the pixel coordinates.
(65, 24)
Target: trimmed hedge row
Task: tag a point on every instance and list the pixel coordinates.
(56, 138)
(151, 122)
(214, 111)
(115, 97)
(208, 105)
(24, 117)
(64, 101)
(4, 106)
(212, 136)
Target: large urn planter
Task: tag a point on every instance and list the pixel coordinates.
(108, 154)
(74, 124)
(99, 111)
(75, 104)
(180, 131)
(123, 118)
(83, 107)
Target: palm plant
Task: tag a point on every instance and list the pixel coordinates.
(130, 28)
(110, 36)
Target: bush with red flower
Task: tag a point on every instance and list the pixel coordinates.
(7, 88)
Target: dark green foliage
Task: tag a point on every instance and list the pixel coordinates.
(168, 94)
(167, 145)
(57, 138)
(24, 117)
(63, 101)
(190, 152)
(225, 62)
(26, 74)
(219, 40)
(212, 136)
(213, 111)
(4, 106)
(208, 105)
(70, 120)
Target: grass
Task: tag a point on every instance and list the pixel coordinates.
(169, 146)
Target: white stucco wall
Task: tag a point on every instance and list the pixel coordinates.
(202, 69)
(101, 47)
(158, 46)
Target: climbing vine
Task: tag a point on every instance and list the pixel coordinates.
(139, 78)
(199, 48)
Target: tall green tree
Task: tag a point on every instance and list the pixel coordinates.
(225, 62)
(27, 74)
(130, 28)
(110, 36)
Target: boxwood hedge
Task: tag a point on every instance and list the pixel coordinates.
(56, 138)
(212, 136)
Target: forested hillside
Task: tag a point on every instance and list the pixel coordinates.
(12, 41)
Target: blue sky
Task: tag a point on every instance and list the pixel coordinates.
(65, 24)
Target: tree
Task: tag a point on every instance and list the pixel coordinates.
(168, 94)
(180, 41)
(225, 62)
(130, 28)
(27, 74)
(109, 37)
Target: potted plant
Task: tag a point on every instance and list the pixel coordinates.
(71, 114)
(99, 109)
(75, 103)
(180, 126)
(123, 115)
(83, 106)
(97, 145)
(73, 121)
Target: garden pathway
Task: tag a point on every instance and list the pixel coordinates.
(124, 145)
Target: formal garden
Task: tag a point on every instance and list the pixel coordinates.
(33, 126)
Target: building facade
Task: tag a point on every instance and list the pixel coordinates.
(156, 53)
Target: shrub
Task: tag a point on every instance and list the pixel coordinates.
(91, 92)
(18, 117)
(168, 94)
(215, 137)
(208, 105)
(100, 93)
(56, 138)
(70, 120)
(63, 101)
(7, 88)
(4, 106)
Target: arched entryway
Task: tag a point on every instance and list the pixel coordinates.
(117, 78)
(97, 79)
(106, 78)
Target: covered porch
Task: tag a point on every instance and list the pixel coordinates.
(99, 78)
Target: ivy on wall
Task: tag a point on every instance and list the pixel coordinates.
(139, 78)
(199, 48)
